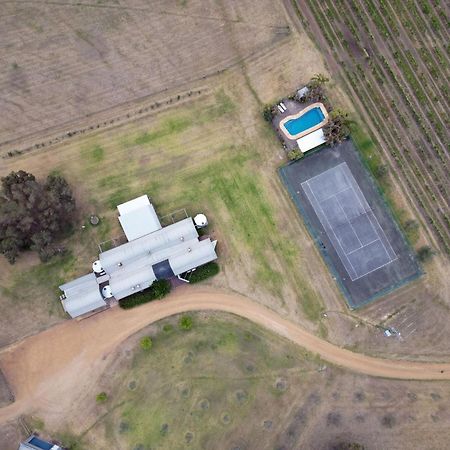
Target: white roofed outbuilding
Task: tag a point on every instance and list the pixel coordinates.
(138, 218)
(311, 140)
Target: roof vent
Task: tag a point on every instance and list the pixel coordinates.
(106, 291)
(200, 221)
(97, 266)
(189, 249)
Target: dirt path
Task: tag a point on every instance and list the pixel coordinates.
(51, 369)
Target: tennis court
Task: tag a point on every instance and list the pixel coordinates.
(349, 222)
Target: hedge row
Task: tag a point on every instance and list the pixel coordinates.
(203, 272)
(157, 290)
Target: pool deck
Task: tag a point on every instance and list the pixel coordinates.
(294, 107)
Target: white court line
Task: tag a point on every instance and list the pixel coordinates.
(349, 178)
(351, 226)
(368, 206)
(321, 173)
(366, 212)
(332, 229)
(365, 245)
(333, 195)
(373, 270)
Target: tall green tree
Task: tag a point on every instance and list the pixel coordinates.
(33, 215)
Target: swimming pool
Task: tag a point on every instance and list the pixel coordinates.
(306, 121)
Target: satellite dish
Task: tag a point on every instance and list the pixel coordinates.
(106, 291)
(97, 266)
(200, 221)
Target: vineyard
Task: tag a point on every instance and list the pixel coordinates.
(393, 59)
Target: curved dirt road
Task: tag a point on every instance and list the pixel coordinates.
(56, 366)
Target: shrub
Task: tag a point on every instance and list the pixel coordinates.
(146, 343)
(186, 323)
(348, 446)
(167, 328)
(102, 397)
(268, 113)
(156, 291)
(381, 171)
(411, 228)
(203, 272)
(425, 253)
(294, 155)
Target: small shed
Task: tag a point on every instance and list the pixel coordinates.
(301, 93)
(311, 140)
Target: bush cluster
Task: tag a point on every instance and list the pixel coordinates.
(157, 290)
(203, 272)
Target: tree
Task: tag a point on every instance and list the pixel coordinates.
(33, 215)
(337, 129)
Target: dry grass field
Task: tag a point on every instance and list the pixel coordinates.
(229, 384)
(66, 63)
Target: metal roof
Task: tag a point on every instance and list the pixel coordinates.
(201, 253)
(138, 218)
(82, 295)
(131, 279)
(160, 240)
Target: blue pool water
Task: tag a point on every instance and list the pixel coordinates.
(308, 120)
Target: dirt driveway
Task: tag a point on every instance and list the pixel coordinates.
(50, 369)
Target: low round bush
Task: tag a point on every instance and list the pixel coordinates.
(146, 343)
(186, 323)
(102, 397)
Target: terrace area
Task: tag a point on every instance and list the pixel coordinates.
(295, 111)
